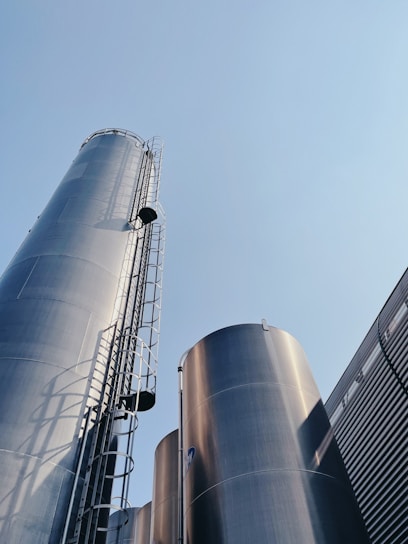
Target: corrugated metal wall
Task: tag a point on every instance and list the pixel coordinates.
(368, 410)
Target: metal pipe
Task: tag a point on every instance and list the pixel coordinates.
(180, 453)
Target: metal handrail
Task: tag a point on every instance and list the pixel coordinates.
(120, 131)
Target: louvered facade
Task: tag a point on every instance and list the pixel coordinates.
(368, 410)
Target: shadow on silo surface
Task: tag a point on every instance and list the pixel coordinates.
(330, 497)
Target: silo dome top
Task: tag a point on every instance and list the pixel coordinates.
(121, 132)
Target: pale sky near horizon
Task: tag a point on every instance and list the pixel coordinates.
(285, 167)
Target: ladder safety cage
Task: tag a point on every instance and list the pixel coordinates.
(124, 378)
(145, 200)
(100, 443)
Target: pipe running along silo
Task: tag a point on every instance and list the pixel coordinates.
(261, 463)
(78, 333)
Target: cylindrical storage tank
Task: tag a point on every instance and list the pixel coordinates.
(262, 465)
(136, 530)
(58, 301)
(165, 491)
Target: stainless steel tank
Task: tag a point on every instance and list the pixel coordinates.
(165, 491)
(58, 300)
(261, 463)
(130, 527)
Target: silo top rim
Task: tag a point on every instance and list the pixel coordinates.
(119, 131)
(166, 438)
(237, 326)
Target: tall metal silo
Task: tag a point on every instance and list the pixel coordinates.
(261, 463)
(79, 314)
(133, 526)
(164, 528)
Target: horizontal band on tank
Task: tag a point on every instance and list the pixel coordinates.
(118, 131)
(266, 471)
(40, 361)
(36, 458)
(24, 280)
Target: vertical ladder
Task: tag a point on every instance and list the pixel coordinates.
(124, 381)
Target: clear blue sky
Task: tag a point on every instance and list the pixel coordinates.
(285, 166)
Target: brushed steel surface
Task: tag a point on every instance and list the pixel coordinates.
(262, 464)
(56, 298)
(137, 528)
(165, 489)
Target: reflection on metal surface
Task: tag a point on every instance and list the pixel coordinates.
(266, 467)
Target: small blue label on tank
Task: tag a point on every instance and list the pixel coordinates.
(190, 455)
